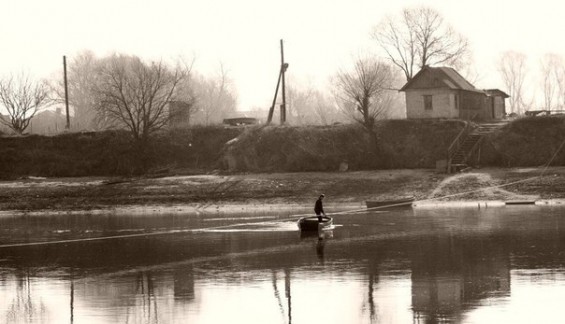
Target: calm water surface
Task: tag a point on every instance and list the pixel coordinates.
(494, 265)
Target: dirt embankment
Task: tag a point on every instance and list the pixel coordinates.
(526, 142)
(394, 144)
(398, 144)
(111, 153)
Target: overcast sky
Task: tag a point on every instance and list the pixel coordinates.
(320, 35)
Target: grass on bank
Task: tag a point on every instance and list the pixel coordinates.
(400, 144)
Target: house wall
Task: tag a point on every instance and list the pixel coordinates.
(499, 107)
(475, 106)
(471, 105)
(443, 103)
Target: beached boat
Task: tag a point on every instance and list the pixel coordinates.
(391, 203)
(311, 223)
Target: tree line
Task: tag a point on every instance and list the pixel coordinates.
(533, 86)
(119, 92)
(127, 92)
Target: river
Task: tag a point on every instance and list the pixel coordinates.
(421, 265)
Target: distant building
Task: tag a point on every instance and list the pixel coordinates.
(497, 102)
(45, 122)
(48, 122)
(441, 92)
(241, 118)
(184, 114)
(179, 114)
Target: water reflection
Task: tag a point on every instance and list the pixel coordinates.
(420, 266)
(446, 284)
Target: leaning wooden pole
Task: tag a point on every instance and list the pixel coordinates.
(271, 110)
(68, 126)
(283, 70)
(280, 80)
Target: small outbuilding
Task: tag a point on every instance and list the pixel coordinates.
(179, 114)
(441, 92)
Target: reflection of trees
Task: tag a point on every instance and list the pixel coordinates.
(143, 308)
(24, 307)
(449, 275)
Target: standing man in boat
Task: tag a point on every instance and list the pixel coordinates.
(319, 208)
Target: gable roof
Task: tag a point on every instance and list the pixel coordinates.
(439, 77)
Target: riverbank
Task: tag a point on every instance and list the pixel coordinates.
(241, 192)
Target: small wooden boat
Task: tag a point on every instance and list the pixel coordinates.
(520, 202)
(311, 223)
(391, 203)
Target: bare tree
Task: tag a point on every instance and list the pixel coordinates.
(309, 106)
(513, 70)
(558, 73)
(135, 94)
(550, 65)
(325, 109)
(22, 98)
(365, 92)
(215, 97)
(420, 37)
(300, 103)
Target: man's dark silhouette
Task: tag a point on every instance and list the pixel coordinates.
(319, 208)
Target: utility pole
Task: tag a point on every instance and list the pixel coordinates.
(66, 93)
(281, 79)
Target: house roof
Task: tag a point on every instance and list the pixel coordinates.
(439, 77)
(497, 92)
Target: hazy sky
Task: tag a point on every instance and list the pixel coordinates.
(320, 35)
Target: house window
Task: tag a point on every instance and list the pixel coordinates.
(456, 101)
(428, 102)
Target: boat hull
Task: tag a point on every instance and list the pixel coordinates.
(312, 224)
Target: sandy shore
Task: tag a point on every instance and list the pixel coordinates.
(245, 192)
